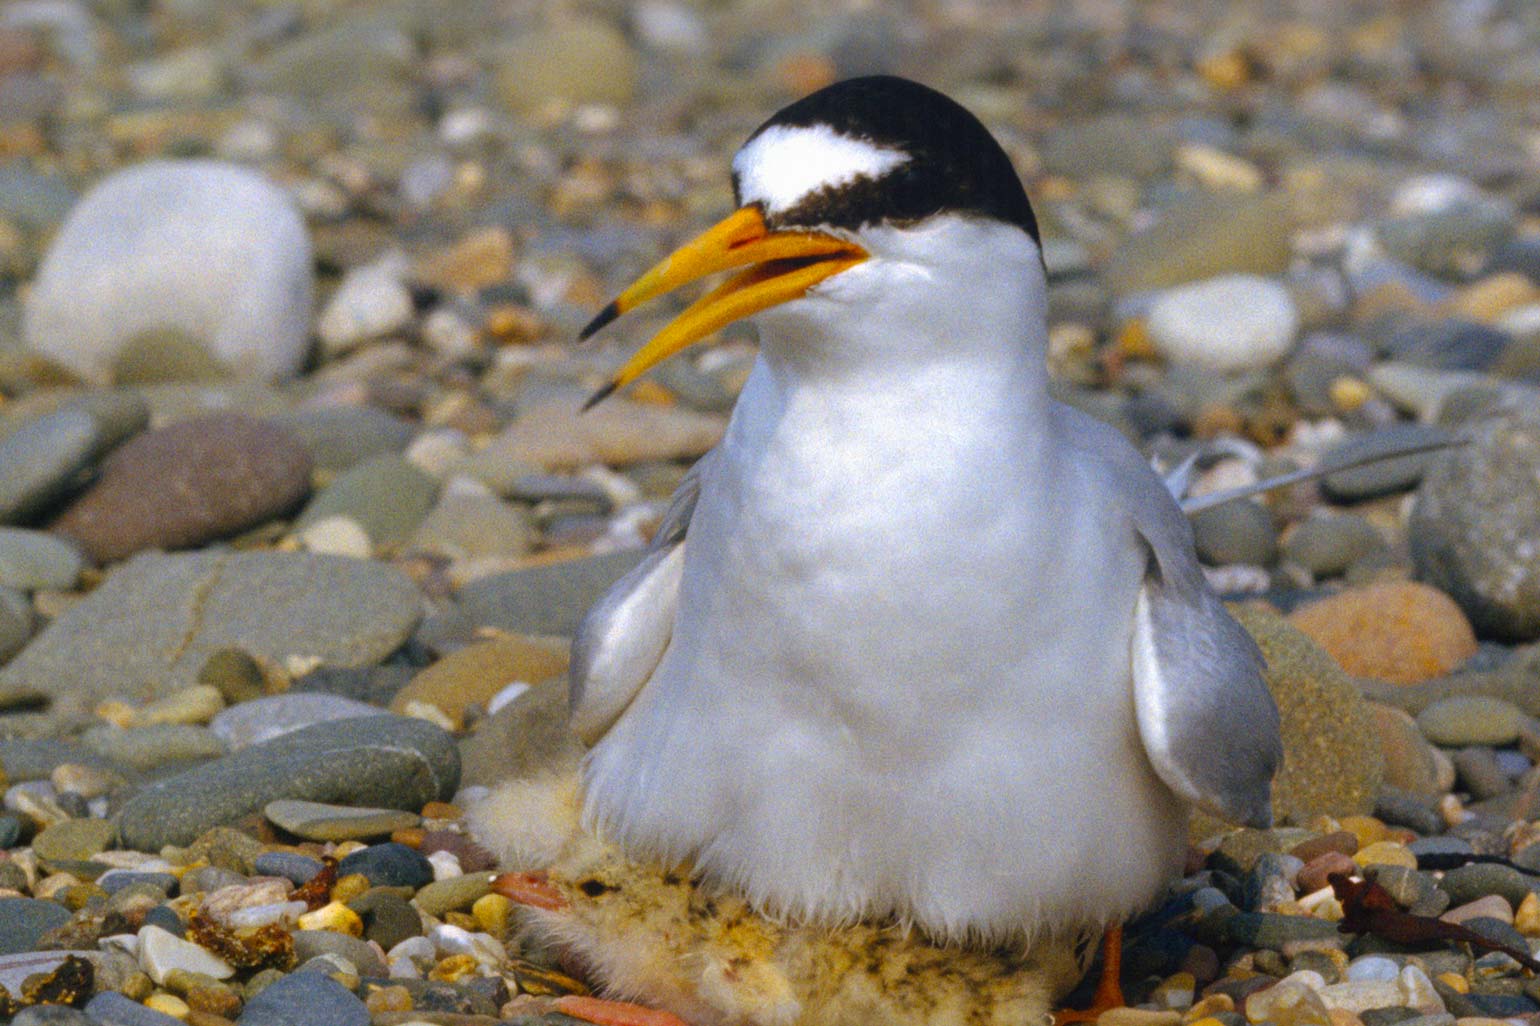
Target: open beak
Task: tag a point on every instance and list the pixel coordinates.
(781, 266)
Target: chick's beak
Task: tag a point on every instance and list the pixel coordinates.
(532, 889)
(781, 266)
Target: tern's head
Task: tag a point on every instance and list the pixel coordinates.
(874, 193)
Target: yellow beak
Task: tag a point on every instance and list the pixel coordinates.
(782, 265)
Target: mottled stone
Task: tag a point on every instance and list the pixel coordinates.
(1400, 631)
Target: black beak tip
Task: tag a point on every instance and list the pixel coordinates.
(605, 316)
(599, 396)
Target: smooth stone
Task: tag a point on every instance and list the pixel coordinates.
(41, 458)
(1473, 526)
(53, 1015)
(160, 952)
(1332, 759)
(352, 60)
(618, 432)
(1478, 773)
(304, 999)
(211, 249)
(292, 866)
(550, 599)
(1272, 931)
(578, 60)
(1385, 476)
(385, 495)
(188, 484)
(385, 761)
(316, 821)
(310, 944)
(157, 618)
(1207, 235)
(29, 759)
(165, 355)
(1398, 631)
(115, 880)
(262, 719)
(475, 527)
(460, 892)
(1472, 882)
(35, 561)
(388, 918)
(16, 623)
(1329, 544)
(1397, 807)
(1229, 324)
(528, 735)
(23, 921)
(1471, 720)
(340, 437)
(372, 301)
(476, 673)
(144, 748)
(1454, 344)
(75, 839)
(388, 865)
(109, 1008)
(1236, 532)
(1493, 906)
(1442, 241)
(1410, 761)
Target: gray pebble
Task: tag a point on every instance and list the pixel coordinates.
(340, 437)
(1403, 808)
(41, 458)
(292, 866)
(304, 999)
(15, 622)
(262, 719)
(1236, 532)
(1478, 774)
(385, 495)
(24, 920)
(385, 760)
(52, 1015)
(1328, 545)
(1477, 880)
(1462, 720)
(310, 944)
(110, 1008)
(35, 560)
(544, 599)
(160, 744)
(1386, 476)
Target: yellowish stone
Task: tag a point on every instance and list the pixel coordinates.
(1208, 1007)
(1490, 298)
(389, 999)
(492, 912)
(1385, 853)
(1455, 981)
(459, 967)
(350, 887)
(1526, 918)
(336, 917)
(197, 705)
(168, 1004)
(1367, 829)
(1348, 393)
(115, 712)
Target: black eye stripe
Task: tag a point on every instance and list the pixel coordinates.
(954, 165)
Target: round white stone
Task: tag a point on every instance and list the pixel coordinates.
(1233, 323)
(210, 249)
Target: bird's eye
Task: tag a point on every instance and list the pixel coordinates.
(593, 888)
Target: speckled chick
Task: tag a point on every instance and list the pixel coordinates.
(651, 934)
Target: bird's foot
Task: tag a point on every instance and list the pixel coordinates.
(1109, 988)
(615, 1013)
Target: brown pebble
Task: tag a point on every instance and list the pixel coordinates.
(409, 836)
(441, 810)
(1313, 877)
(1344, 841)
(198, 1017)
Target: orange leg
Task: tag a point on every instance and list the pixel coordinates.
(1109, 989)
(615, 1013)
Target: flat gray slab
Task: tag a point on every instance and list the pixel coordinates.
(149, 628)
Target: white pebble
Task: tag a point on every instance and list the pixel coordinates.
(161, 951)
(337, 536)
(287, 912)
(372, 301)
(446, 865)
(1229, 324)
(449, 334)
(1372, 967)
(210, 249)
(505, 695)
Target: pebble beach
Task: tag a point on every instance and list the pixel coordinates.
(299, 512)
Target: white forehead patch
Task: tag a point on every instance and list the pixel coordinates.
(785, 163)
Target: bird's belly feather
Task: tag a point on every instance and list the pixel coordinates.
(965, 755)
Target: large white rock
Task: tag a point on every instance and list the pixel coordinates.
(1229, 324)
(210, 249)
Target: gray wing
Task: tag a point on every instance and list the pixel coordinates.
(621, 640)
(1206, 716)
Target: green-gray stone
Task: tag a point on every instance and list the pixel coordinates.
(1471, 720)
(386, 761)
(457, 892)
(317, 821)
(35, 560)
(386, 496)
(548, 599)
(73, 839)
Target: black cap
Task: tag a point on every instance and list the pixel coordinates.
(954, 165)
